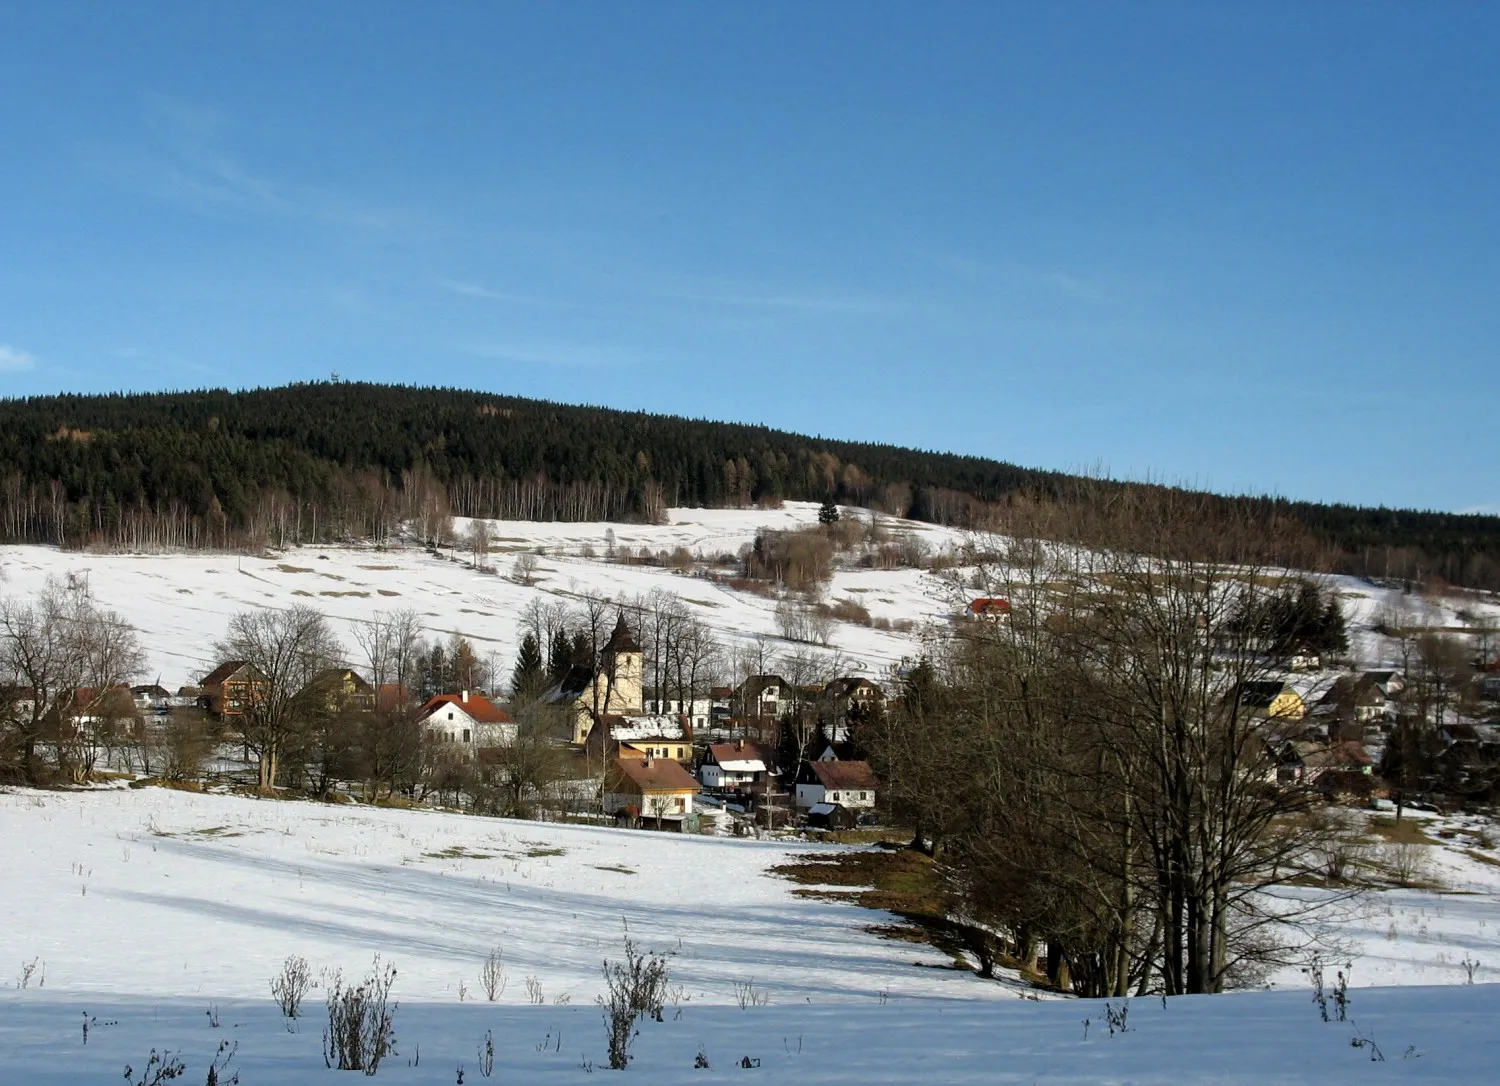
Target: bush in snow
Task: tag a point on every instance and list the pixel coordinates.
(360, 1029)
(635, 986)
(492, 976)
(290, 985)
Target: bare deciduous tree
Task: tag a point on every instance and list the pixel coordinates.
(288, 648)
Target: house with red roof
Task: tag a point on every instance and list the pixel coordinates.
(468, 719)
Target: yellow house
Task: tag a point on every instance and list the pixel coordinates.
(1272, 698)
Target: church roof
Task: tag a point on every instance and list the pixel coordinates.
(622, 640)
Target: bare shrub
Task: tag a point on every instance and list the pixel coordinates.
(160, 1067)
(534, 991)
(492, 975)
(747, 995)
(847, 610)
(634, 987)
(218, 1067)
(27, 969)
(1407, 863)
(487, 1055)
(290, 985)
(361, 1021)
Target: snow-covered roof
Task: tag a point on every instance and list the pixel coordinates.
(626, 729)
(745, 765)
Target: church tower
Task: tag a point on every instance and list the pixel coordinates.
(621, 666)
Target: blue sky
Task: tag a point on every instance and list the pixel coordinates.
(1251, 247)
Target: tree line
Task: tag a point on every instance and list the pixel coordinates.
(329, 461)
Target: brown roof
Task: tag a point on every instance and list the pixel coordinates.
(224, 672)
(481, 708)
(843, 775)
(656, 775)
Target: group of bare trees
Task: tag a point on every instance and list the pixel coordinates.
(1088, 771)
(63, 661)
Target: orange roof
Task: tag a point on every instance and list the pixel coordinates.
(987, 605)
(481, 708)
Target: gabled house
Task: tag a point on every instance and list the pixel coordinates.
(763, 697)
(656, 788)
(847, 699)
(152, 699)
(468, 720)
(990, 607)
(734, 766)
(664, 703)
(338, 689)
(849, 784)
(1271, 698)
(232, 688)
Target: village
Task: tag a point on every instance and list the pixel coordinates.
(593, 741)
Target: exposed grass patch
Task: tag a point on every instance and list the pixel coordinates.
(1405, 832)
(458, 852)
(536, 851)
(294, 569)
(618, 868)
(360, 595)
(380, 567)
(1475, 854)
(216, 831)
(388, 592)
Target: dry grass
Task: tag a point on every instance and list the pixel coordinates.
(1405, 832)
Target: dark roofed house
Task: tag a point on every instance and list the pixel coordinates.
(851, 784)
(988, 607)
(230, 689)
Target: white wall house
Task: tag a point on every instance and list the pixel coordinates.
(467, 719)
(849, 784)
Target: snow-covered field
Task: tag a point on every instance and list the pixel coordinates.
(145, 910)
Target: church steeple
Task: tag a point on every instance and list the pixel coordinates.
(622, 640)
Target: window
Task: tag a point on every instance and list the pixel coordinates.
(466, 735)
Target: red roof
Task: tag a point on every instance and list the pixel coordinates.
(481, 708)
(989, 605)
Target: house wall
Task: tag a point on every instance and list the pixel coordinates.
(808, 794)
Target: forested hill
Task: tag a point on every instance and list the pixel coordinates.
(345, 460)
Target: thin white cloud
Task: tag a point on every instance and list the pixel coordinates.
(187, 165)
(566, 355)
(474, 290)
(15, 360)
(807, 301)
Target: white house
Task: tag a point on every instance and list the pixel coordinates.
(468, 719)
(734, 765)
(849, 784)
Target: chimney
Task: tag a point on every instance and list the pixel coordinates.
(466, 697)
(740, 745)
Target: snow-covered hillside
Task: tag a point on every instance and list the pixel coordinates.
(181, 602)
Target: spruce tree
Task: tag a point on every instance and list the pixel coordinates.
(527, 677)
(560, 656)
(829, 513)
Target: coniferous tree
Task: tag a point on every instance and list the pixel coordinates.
(828, 513)
(527, 677)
